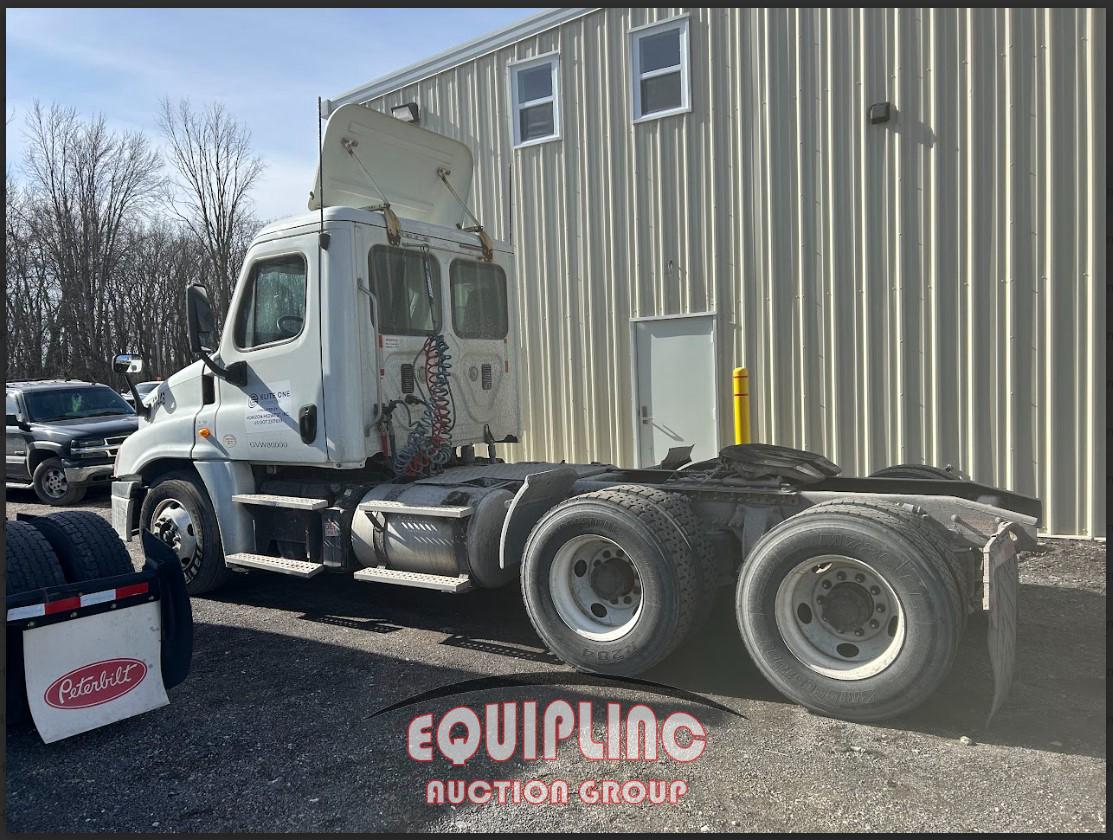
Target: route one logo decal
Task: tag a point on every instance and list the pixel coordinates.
(91, 685)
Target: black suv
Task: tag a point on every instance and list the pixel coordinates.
(62, 436)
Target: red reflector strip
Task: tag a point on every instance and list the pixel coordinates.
(62, 605)
(74, 602)
(134, 589)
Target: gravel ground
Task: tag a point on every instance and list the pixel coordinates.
(273, 729)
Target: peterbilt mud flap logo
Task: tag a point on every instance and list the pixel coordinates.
(94, 684)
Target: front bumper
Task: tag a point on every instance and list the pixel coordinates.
(92, 474)
(125, 507)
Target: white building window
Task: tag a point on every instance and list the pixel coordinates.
(535, 94)
(659, 69)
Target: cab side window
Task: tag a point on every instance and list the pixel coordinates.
(273, 306)
(9, 405)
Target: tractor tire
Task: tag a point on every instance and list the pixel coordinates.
(52, 488)
(29, 564)
(610, 583)
(713, 571)
(849, 610)
(177, 510)
(916, 471)
(85, 544)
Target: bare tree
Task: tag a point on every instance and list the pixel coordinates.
(88, 183)
(211, 153)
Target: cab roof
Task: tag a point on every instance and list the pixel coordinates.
(308, 221)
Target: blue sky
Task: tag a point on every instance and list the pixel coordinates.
(267, 67)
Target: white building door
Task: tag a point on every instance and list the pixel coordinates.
(675, 387)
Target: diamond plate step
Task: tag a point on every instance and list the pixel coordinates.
(268, 500)
(442, 583)
(445, 511)
(297, 568)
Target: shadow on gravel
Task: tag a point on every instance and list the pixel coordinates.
(1057, 702)
(272, 732)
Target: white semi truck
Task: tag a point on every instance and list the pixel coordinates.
(346, 418)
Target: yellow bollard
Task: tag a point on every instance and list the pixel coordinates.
(741, 405)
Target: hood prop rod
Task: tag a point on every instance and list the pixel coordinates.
(484, 239)
(393, 226)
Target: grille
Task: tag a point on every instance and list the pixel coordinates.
(407, 379)
(486, 375)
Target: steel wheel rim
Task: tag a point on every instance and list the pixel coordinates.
(596, 589)
(840, 617)
(172, 524)
(54, 483)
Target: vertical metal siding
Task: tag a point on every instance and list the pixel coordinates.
(924, 290)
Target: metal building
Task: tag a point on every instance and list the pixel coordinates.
(894, 218)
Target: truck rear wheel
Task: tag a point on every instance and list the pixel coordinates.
(85, 544)
(849, 610)
(610, 582)
(30, 564)
(177, 510)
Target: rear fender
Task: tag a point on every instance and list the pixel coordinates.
(539, 494)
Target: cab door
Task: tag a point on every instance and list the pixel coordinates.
(16, 443)
(274, 328)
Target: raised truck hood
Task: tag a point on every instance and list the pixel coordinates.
(402, 159)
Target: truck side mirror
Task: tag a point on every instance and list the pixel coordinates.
(129, 364)
(199, 316)
(126, 363)
(11, 420)
(202, 335)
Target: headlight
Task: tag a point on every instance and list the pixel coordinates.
(85, 448)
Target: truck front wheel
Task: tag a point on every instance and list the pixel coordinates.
(850, 610)
(52, 487)
(177, 511)
(610, 583)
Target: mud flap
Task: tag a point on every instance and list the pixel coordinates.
(95, 670)
(1000, 586)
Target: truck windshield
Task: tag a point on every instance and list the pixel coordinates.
(402, 305)
(53, 404)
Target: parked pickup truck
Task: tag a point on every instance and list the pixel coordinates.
(62, 436)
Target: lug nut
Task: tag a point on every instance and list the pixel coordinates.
(858, 632)
(875, 590)
(826, 584)
(873, 623)
(819, 599)
(881, 608)
(859, 577)
(841, 575)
